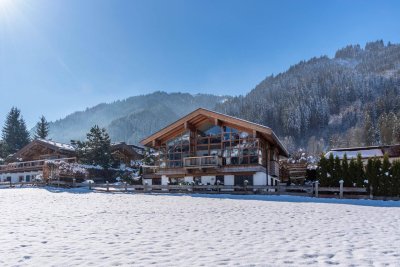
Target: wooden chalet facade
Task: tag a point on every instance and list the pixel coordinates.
(126, 154)
(30, 161)
(40, 158)
(208, 147)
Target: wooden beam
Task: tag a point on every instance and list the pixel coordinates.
(188, 126)
(155, 142)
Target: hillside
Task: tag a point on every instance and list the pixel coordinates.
(133, 118)
(349, 100)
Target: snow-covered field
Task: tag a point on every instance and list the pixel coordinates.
(46, 227)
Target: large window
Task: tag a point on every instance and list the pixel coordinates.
(174, 150)
(235, 147)
(240, 179)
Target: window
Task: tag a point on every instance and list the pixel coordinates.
(239, 179)
(173, 152)
(220, 178)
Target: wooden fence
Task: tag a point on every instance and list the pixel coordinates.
(310, 191)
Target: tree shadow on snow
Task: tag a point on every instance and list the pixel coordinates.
(299, 199)
(80, 190)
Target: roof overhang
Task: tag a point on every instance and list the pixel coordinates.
(201, 116)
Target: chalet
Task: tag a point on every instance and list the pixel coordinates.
(207, 147)
(127, 155)
(393, 151)
(30, 161)
(33, 159)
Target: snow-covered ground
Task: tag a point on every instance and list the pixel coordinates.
(46, 227)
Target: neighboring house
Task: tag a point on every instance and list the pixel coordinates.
(30, 161)
(129, 155)
(393, 151)
(205, 147)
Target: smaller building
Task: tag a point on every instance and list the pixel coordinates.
(29, 162)
(40, 157)
(129, 155)
(367, 152)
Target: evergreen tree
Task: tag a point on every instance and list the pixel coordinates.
(377, 172)
(148, 158)
(337, 173)
(369, 131)
(395, 174)
(369, 175)
(96, 150)
(353, 172)
(322, 171)
(385, 179)
(42, 128)
(330, 169)
(15, 134)
(346, 175)
(359, 174)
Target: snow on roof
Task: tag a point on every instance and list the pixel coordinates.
(57, 144)
(365, 153)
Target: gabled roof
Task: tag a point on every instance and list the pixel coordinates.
(393, 151)
(201, 116)
(132, 150)
(49, 144)
(57, 144)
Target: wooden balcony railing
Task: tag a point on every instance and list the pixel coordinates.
(202, 162)
(30, 165)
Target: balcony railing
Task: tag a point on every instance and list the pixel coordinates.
(30, 165)
(202, 162)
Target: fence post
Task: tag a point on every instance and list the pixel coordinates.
(108, 186)
(145, 186)
(10, 183)
(245, 185)
(126, 187)
(73, 182)
(316, 188)
(341, 189)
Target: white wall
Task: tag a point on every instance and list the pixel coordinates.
(164, 180)
(208, 180)
(229, 180)
(260, 178)
(15, 176)
(188, 179)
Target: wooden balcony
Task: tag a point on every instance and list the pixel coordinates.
(202, 162)
(26, 166)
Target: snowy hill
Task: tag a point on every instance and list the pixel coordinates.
(131, 119)
(350, 100)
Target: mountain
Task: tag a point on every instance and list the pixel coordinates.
(131, 119)
(350, 100)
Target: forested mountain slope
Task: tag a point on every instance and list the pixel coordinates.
(131, 119)
(349, 100)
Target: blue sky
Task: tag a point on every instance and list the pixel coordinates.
(60, 56)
